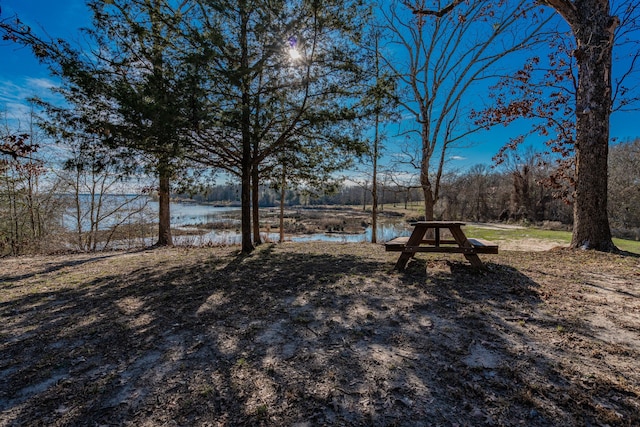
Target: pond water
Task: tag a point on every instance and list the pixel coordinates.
(183, 214)
(386, 231)
(193, 214)
(147, 211)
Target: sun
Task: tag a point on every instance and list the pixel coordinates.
(294, 54)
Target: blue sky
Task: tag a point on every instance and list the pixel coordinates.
(21, 76)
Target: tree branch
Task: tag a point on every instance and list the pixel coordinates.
(438, 13)
(566, 9)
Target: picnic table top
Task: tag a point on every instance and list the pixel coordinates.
(437, 223)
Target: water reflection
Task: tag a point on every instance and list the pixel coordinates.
(191, 215)
(131, 209)
(386, 231)
(194, 214)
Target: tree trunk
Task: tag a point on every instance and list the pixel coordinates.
(255, 200)
(245, 206)
(364, 196)
(78, 207)
(283, 193)
(374, 182)
(593, 27)
(245, 193)
(426, 190)
(425, 182)
(164, 213)
(255, 171)
(374, 212)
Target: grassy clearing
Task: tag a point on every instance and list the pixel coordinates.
(561, 237)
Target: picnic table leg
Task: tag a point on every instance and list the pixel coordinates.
(414, 240)
(475, 261)
(403, 260)
(460, 237)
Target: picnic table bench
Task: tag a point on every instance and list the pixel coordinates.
(459, 243)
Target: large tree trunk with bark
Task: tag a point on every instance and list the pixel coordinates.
(245, 192)
(428, 198)
(164, 212)
(245, 206)
(374, 181)
(425, 182)
(255, 201)
(283, 194)
(593, 27)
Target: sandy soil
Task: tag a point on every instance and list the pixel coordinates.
(530, 245)
(319, 334)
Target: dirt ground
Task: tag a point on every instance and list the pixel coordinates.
(319, 334)
(529, 244)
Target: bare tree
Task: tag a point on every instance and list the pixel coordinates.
(595, 28)
(442, 59)
(381, 98)
(100, 203)
(30, 211)
(624, 187)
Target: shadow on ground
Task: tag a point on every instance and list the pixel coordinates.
(288, 338)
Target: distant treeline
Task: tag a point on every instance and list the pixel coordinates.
(477, 196)
(519, 193)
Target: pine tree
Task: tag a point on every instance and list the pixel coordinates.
(268, 99)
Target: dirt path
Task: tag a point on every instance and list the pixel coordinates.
(530, 245)
(319, 334)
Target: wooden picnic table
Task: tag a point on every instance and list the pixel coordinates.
(418, 242)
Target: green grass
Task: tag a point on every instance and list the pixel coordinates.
(518, 233)
(562, 237)
(627, 245)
